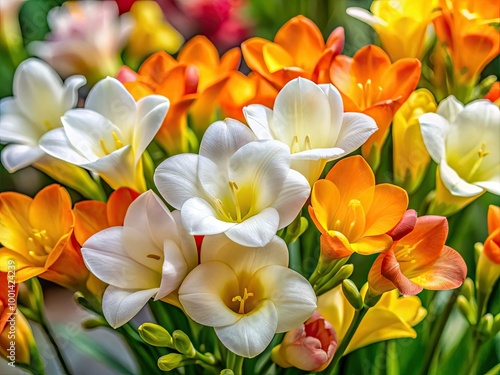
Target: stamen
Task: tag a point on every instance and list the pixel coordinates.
(241, 300)
(118, 143)
(103, 146)
(233, 187)
(481, 153)
(153, 256)
(294, 147)
(308, 142)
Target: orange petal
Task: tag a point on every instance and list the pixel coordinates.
(118, 204)
(448, 271)
(230, 60)
(493, 218)
(325, 200)
(492, 247)
(400, 80)
(369, 63)
(20, 260)
(58, 249)
(199, 50)
(388, 207)
(276, 57)
(334, 245)
(405, 226)
(155, 69)
(480, 49)
(302, 39)
(27, 273)
(391, 270)
(14, 222)
(372, 245)
(56, 200)
(174, 86)
(138, 89)
(90, 218)
(340, 75)
(252, 52)
(378, 283)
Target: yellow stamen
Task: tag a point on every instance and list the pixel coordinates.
(233, 187)
(481, 153)
(308, 142)
(242, 300)
(294, 147)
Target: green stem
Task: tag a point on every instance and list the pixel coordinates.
(358, 317)
(234, 362)
(52, 340)
(437, 332)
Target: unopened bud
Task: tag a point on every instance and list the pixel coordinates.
(227, 371)
(496, 325)
(486, 325)
(155, 335)
(94, 323)
(343, 273)
(183, 344)
(351, 292)
(484, 86)
(468, 289)
(170, 361)
(295, 229)
(466, 310)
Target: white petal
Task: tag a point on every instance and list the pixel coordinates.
(301, 110)
(199, 218)
(292, 197)
(201, 294)
(106, 258)
(252, 334)
(15, 126)
(261, 167)
(121, 305)
(365, 16)
(244, 259)
(177, 179)
(15, 157)
(71, 86)
(222, 139)
(213, 179)
(259, 118)
(88, 131)
(356, 129)
(336, 114)
(310, 169)
(57, 144)
(319, 153)
(151, 111)
(257, 230)
(290, 292)
(187, 242)
(449, 108)
(434, 130)
(39, 93)
(112, 100)
(455, 184)
(174, 268)
(492, 186)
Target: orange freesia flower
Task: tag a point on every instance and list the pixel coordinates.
(488, 263)
(419, 260)
(94, 216)
(352, 213)
(37, 235)
(299, 50)
(193, 83)
(467, 29)
(370, 84)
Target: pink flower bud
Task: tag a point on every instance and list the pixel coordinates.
(309, 347)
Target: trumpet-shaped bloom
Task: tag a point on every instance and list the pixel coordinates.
(151, 32)
(352, 213)
(40, 99)
(410, 156)
(310, 120)
(110, 135)
(466, 29)
(40, 244)
(298, 50)
(391, 318)
(250, 296)
(148, 256)
(401, 25)
(236, 185)
(370, 84)
(488, 264)
(93, 216)
(419, 260)
(464, 142)
(309, 347)
(86, 38)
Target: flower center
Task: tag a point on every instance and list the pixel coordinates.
(38, 244)
(235, 206)
(369, 93)
(296, 147)
(481, 153)
(353, 222)
(118, 144)
(242, 300)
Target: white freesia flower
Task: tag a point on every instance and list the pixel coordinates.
(465, 142)
(246, 294)
(236, 185)
(149, 256)
(310, 120)
(40, 99)
(110, 135)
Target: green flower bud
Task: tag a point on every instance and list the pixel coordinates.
(486, 326)
(351, 292)
(227, 371)
(94, 323)
(155, 335)
(328, 283)
(496, 325)
(295, 229)
(468, 289)
(183, 344)
(466, 309)
(171, 361)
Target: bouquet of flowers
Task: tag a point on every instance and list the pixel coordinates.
(286, 218)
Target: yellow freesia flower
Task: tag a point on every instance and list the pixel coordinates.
(151, 32)
(391, 318)
(401, 25)
(410, 155)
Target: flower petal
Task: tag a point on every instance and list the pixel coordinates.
(257, 230)
(449, 108)
(250, 335)
(291, 198)
(56, 144)
(455, 184)
(259, 119)
(434, 130)
(356, 128)
(199, 218)
(120, 305)
(391, 270)
(15, 157)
